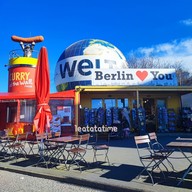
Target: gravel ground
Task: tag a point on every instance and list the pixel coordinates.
(14, 182)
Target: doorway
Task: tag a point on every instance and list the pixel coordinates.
(149, 106)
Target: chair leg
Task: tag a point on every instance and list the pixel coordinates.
(150, 175)
(171, 165)
(148, 172)
(42, 156)
(76, 159)
(73, 161)
(106, 156)
(145, 169)
(60, 154)
(22, 151)
(156, 165)
(94, 156)
(160, 169)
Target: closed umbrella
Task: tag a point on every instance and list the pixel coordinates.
(42, 91)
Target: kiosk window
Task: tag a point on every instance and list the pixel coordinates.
(96, 103)
(63, 108)
(161, 103)
(121, 103)
(12, 114)
(55, 103)
(109, 103)
(27, 110)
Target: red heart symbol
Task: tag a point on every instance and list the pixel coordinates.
(142, 74)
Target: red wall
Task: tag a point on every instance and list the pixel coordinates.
(3, 116)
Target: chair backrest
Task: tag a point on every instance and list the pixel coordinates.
(21, 137)
(93, 138)
(49, 135)
(153, 136)
(41, 137)
(155, 144)
(8, 133)
(84, 139)
(5, 136)
(57, 134)
(144, 139)
(102, 138)
(143, 145)
(2, 133)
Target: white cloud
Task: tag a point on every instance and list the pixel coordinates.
(146, 51)
(187, 22)
(173, 52)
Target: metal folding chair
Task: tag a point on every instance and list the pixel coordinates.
(148, 158)
(40, 138)
(32, 143)
(101, 147)
(160, 149)
(4, 141)
(52, 149)
(77, 152)
(17, 147)
(59, 149)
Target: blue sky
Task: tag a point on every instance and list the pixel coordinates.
(161, 28)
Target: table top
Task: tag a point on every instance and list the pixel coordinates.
(179, 144)
(184, 139)
(65, 139)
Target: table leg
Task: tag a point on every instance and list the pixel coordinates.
(185, 174)
(188, 169)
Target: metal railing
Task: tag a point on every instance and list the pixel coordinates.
(19, 53)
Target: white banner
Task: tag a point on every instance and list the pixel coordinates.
(102, 71)
(150, 77)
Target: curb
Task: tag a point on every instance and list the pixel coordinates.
(71, 179)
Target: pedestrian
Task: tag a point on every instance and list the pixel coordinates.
(126, 125)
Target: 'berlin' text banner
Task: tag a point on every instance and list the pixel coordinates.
(148, 77)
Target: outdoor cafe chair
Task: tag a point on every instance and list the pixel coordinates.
(17, 146)
(160, 149)
(53, 149)
(149, 160)
(92, 140)
(101, 147)
(77, 151)
(5, 139)
(48, 146)
(32, 143)
(41, 138)
(45, 149)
